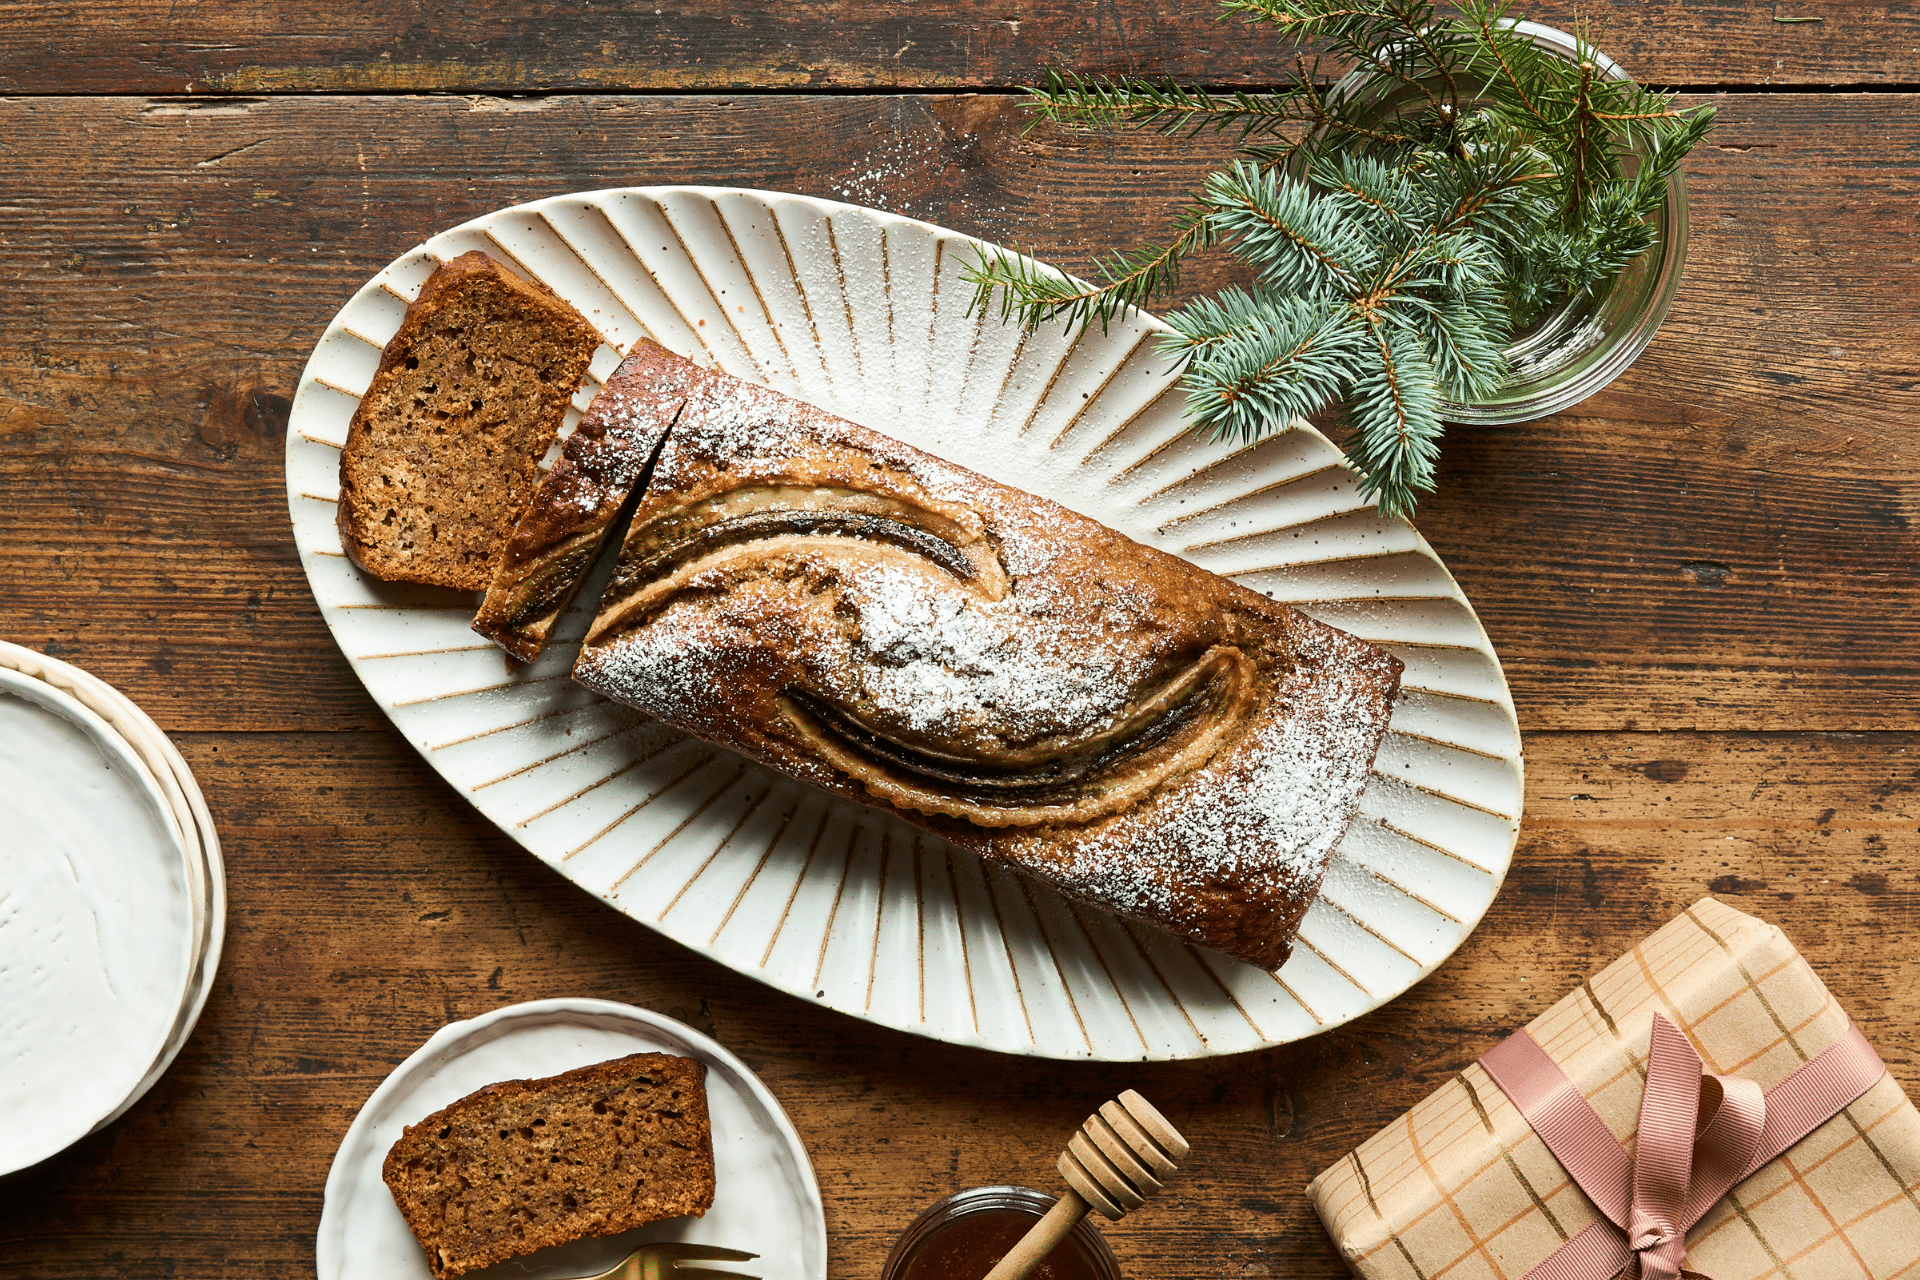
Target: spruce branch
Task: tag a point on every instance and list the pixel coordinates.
(1402, 226)
(1394, 412)
(1300, 244)
(1365, 24)
(1493, 189)
(1512, 65)
(1253, 358)
(1464, 348)
(1588, 166)
(1323, 118)
(1167, 107)
(1036, 293)
(1370, 189)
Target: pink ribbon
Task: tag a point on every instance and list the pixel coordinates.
(1700, 1135)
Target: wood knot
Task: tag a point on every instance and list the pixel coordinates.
(244, 415)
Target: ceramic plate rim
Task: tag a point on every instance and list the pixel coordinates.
(106, 738)
(170, 769)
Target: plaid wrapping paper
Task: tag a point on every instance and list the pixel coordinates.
(1462, 1188)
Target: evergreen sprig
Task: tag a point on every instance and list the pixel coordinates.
(1399, 235)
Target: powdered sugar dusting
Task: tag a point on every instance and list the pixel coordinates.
(635, 416)
(1268, 818)
(677, 669)
(942, 659)
(924, 657)
(605, 455)
(760, 431)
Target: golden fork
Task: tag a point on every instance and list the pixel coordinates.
(661, 1261)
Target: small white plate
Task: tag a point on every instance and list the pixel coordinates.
(100, 922)
(765, 1199)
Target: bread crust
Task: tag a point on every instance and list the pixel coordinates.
(1028, 683)
(525, 1164)
(444, 447)
(559, 535)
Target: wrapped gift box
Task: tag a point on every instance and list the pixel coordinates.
(1461, 1187)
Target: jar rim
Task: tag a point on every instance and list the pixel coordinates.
(1092, 1245)
(1642, 293)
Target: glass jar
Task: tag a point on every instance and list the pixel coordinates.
(1577, 348)
(1006, 1213)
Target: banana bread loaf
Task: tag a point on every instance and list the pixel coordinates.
(1034, 686)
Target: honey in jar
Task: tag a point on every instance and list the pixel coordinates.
(961, 1238)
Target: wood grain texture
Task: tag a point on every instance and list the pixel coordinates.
(1722, 540)
(504, 46)
(1702, 581)
(369, 906)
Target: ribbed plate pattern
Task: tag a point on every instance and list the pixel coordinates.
(865, 313)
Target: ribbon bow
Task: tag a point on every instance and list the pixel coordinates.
(1699, 1136)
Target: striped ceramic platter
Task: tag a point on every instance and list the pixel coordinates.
(865, 313)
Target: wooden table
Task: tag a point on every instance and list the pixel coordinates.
(1703, 582)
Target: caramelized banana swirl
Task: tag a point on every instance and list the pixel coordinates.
(753, 521)
(1164, 732)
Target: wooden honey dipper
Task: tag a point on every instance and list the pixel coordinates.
(1115, 1162)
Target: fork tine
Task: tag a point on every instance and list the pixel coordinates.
(631, 1267)
(654, 1261)
(700, 1252)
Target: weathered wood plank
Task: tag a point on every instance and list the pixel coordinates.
(500, 46)
(1722, 540)
(369, 906)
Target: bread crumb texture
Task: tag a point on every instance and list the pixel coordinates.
(526, 1164)
(445, 447)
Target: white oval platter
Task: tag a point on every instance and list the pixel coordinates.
(765, 1198)
(866, 314)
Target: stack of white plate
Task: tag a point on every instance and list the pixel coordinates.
(112, 905)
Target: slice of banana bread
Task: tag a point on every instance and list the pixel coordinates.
(445, 447)
(553, 547)
(524, 1164)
